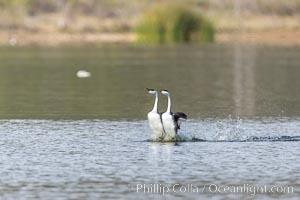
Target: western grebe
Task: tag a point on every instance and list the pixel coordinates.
(154, 119)
(170, 121)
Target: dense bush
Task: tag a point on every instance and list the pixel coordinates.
(170, 23)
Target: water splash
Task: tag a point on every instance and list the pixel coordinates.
(243, 130)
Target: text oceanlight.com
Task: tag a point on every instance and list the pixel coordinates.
(212, 188)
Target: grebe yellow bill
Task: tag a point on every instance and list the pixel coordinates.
(170, 120)
(154, 119)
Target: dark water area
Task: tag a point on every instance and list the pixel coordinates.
(64, 137)
(212, 81)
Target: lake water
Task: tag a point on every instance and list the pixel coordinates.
(62, 137)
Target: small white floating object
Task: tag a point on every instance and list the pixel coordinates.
(12, 41)
(83, 74)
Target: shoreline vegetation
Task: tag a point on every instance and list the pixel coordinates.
(173, 23)
(53, 23)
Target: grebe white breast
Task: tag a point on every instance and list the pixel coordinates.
(170, 120)
(154, 119)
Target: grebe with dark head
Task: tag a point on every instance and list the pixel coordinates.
(171, 120)
(154, 119)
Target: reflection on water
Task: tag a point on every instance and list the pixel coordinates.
(244, 80)
(212, 81)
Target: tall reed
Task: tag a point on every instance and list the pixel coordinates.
(170, 23)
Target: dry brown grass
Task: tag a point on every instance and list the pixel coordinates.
(260, 21)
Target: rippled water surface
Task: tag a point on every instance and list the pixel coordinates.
(97, 159)
(62, 137)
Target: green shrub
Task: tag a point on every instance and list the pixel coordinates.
(169, 23)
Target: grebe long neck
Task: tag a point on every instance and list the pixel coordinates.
(155, 103)
(169, 104)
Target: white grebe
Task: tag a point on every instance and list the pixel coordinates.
(171, 121)
(154, 119)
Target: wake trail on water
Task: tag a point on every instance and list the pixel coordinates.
(239, 130)
(251, 139)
